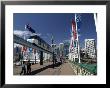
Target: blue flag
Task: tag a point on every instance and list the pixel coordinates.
(78, 20)
(30, 49)
(17, 49)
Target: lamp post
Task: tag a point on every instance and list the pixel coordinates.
(53, 50)
(35, 55)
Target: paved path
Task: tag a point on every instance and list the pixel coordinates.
(47, 69)
(66, 69)
(17, 69)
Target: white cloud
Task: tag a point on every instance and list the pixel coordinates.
(20, 33)
(26, 33)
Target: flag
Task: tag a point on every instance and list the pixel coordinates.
(24, 48)
(17, 49)
(30, 49)
(73, 43)
(29, 28)
(34, 51)
(74, 29)
(78, 20)
(78, 25)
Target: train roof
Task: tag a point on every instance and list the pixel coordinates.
(37, 37)
(34, 37)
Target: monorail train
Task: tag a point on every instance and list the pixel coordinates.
(36, 40)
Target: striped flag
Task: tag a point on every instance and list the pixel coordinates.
(74, 30)
(24, 48)
(78, 25)
(74, 44)
(78, 20)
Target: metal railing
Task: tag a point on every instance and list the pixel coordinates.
(81, 70)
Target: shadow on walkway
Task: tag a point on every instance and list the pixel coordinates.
(44, 68)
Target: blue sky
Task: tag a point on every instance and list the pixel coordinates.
(56, 24)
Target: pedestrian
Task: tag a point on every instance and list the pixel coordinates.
(26, 62)
(60, 60)
(28, 67)
(23, 68)
(55, 60)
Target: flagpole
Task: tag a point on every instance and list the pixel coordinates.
(95, 18)
(24, 33)
(77, 41)
(72, 39)
(70, 55)
(52, 40)
(74, 50)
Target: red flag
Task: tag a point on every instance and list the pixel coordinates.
(34, 51)
(24, 48)
(74, 29)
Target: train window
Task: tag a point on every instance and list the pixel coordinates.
(39, 42)
(36, 41)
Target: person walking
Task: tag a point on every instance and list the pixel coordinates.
(29, 67)
(60, 60)
(23, 68)
(26, 63)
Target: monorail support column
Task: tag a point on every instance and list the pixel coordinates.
(53, 60)
(41, 57)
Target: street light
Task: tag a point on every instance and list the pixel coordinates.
(52, 50)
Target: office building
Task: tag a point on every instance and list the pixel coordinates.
(90, 48)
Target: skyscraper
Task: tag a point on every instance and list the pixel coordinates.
(53, 46)
(66, 48)
(61, 48)
(90, 48)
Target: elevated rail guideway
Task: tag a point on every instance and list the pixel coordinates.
(42, 49)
